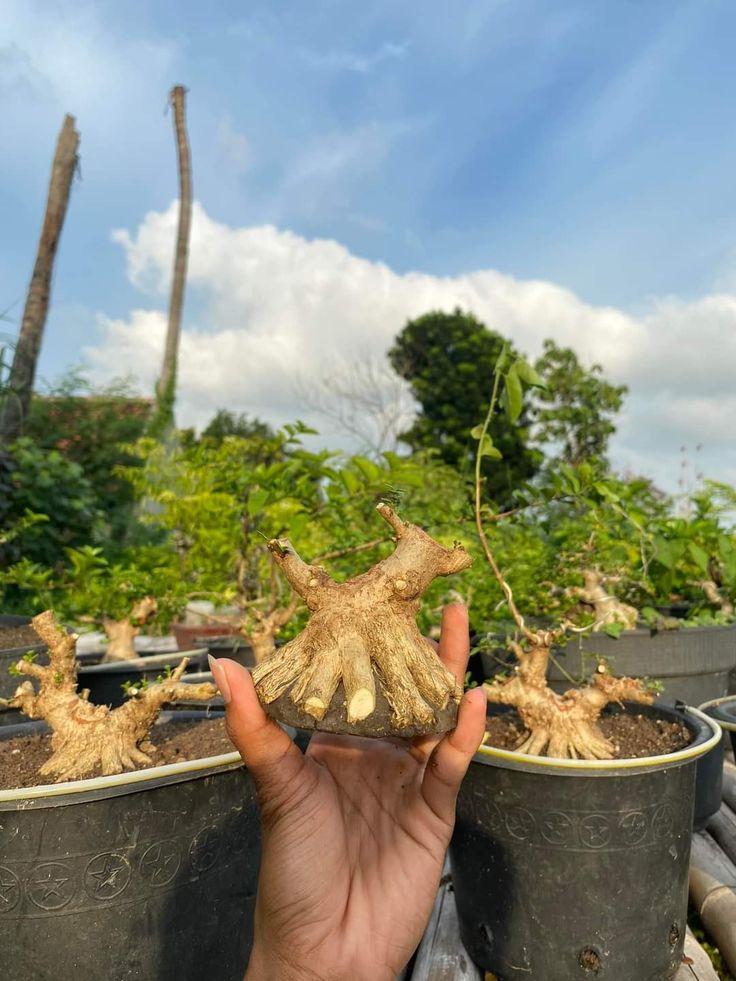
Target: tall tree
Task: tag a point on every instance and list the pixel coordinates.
(448, 360)
(17, 395)
(163, 419)
(575, 412)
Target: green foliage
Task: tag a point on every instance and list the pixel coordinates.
(576, 408)
(447, 359)
(225, 423)
(90, 588)
(90, 427)
(40, 482)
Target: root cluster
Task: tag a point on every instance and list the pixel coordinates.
(361, 665)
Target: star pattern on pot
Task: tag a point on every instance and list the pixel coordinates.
(160, 862)
(9, 889)
(50, 886)
(107, 875)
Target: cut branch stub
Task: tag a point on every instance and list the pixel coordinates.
(360, 665)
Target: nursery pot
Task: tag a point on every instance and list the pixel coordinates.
(145, 875)
(723, 710)
(105, 681)
(233, 646)
(9, 655)
(577, 869)
(692, 663)
(190, 634)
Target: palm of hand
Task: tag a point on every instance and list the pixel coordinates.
(355, 815)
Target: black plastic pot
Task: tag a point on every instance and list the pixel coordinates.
(692, 663)
(233, 646)
(723, 710)
(577, 869)
(147, 875)
(8, 656)
(105, 681)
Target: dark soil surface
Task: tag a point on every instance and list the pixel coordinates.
(21, 757)
(633, 736)
(12, 637)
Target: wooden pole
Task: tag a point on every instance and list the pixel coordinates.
(166, 386)
(23, 372)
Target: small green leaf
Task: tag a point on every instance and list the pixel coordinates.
(514, 395)
(502, 358)
(699, 557)
(488, 449)
(613, 630)
(528, 375)
(605, 491)
(477, 431)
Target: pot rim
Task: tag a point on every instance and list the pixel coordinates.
(142, 663)
(167, 773)
(728, 724)
(490, 755)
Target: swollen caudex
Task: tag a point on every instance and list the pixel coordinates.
(361, 664)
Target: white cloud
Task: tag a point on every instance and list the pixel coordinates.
(279, 306)
(353, 61)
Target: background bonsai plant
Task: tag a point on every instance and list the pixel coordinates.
(86, 738)
(121, 598)
(563, 726)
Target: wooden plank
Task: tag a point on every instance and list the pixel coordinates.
(722, 826)
(729, 784)
(696, 966)
(441, 955)
(708, 856)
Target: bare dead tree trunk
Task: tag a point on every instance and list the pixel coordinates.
(165, 389)
(23, 372)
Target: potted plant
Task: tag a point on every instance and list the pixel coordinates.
(689, 558)
(557, 841)
(127, 859)
(120, 598)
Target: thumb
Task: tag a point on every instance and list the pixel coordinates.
(269, 753)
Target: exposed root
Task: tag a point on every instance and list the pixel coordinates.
(121, 634)
(561, 726)
(713, 594)
(362, 639)
(608, 609)
(87, 738)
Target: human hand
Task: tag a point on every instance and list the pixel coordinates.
(354, 832)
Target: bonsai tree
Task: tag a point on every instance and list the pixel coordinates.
(88, 739)
(120, 597)
(361, 665)
(217, 501)
(563, 726)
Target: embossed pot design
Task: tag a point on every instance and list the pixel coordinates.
(146, 875)
(577, 869)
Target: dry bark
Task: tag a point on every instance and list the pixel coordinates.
(608, 609)
(121, 634)
(167, 381)
(23, 372)
(361, 665)
(88, 739)
(713, 594)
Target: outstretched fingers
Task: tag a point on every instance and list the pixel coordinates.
(451, 758)
(269, 753)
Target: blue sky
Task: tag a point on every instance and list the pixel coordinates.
(589, 145)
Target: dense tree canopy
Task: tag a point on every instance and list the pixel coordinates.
(448, 360)
(577, 408)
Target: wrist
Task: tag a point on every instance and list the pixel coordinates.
(268, 965)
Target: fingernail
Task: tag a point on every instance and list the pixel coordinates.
(220, 676)
(475, 695)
